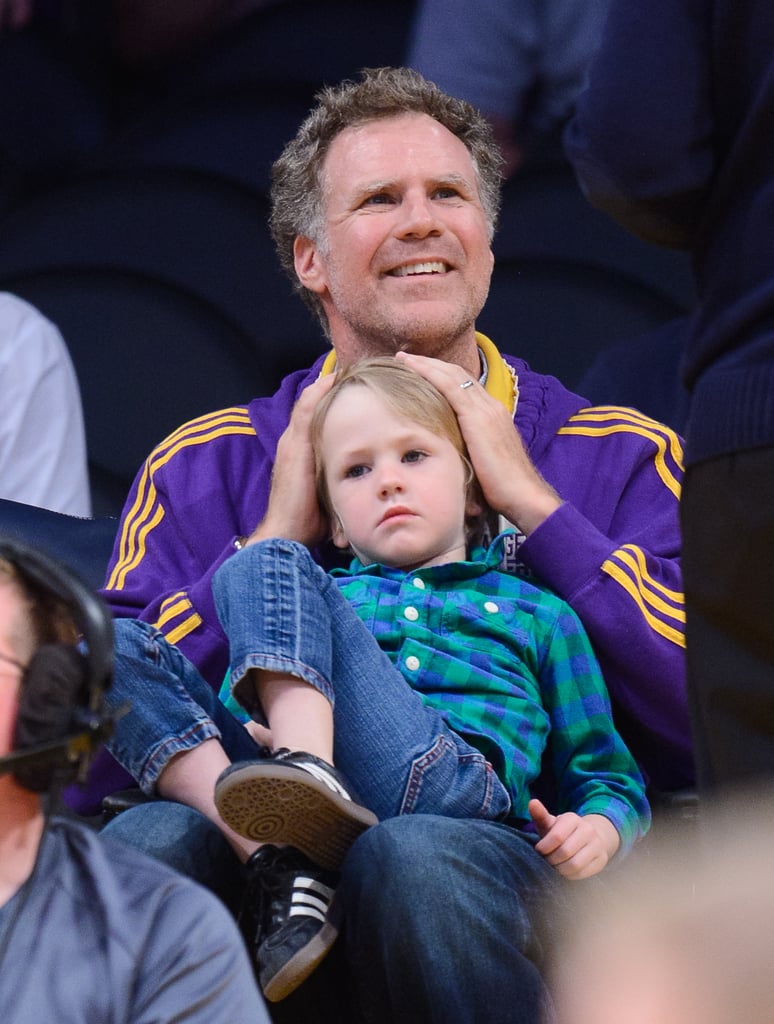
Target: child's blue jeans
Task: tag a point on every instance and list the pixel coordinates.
(281, 611)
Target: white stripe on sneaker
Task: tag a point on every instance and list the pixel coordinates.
(307, 900)
(304, 911)
(325, 777)
(310, 898)
(304, 882)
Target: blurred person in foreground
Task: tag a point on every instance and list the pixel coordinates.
(90, 930)
(684, 932)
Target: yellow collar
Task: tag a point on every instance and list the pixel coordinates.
(501, 382)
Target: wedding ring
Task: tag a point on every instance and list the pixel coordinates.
(467, 384)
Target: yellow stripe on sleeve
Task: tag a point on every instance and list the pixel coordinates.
(186, 627)
(146, 512)
(628, 568)
(607, 420)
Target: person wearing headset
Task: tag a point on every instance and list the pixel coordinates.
(90, 929)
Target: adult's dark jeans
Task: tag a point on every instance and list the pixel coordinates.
(443, 917)
(727, 515)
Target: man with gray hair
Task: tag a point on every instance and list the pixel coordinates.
(384, 207)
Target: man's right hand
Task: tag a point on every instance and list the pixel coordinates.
(293, 511)
(510, 483)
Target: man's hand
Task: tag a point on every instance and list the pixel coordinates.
(293, 511)
(578, 847)
(510, 483)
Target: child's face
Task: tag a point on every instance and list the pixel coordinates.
(398, 490)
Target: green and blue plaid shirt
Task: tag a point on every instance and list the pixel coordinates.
(510, 667)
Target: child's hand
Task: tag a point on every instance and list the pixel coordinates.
(259, 733)
(576, 846)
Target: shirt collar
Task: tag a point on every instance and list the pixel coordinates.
(498, 377)
(481, 560)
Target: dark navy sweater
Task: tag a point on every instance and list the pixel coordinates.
(674, 137)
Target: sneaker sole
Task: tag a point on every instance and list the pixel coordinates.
(300, 966)
(274, 803)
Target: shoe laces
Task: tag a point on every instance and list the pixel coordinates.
(271, 875)
(263, 884)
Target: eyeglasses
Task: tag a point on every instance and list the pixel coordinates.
(13, 661)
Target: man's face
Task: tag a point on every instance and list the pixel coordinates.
(15, 652)
(405, 261)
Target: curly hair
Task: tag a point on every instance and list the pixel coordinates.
(297, 197)
(43, 618)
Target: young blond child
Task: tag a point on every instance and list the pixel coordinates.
(432, 680)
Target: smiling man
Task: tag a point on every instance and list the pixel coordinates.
(383, 210)
(404, 261)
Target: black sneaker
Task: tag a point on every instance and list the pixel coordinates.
(288, 917)
(294, 798)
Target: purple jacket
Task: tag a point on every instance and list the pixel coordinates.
(611, 550)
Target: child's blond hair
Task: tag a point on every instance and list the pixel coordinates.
(411, 396)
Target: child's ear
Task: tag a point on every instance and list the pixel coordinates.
(473, 507)
(339, 538)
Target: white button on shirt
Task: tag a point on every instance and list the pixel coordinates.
(490, 606)
(418, 583)
(412, 663)
(411, 613)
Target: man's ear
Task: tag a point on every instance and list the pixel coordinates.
(309, 267)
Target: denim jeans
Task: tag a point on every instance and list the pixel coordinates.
(440, 908)
(172, 708)
(281, 611)
(444, 919)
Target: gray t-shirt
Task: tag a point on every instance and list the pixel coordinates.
(105, 935)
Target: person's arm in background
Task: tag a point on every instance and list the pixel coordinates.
(520, 62)
(485, 53)
(42, 439)
(642, 139)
